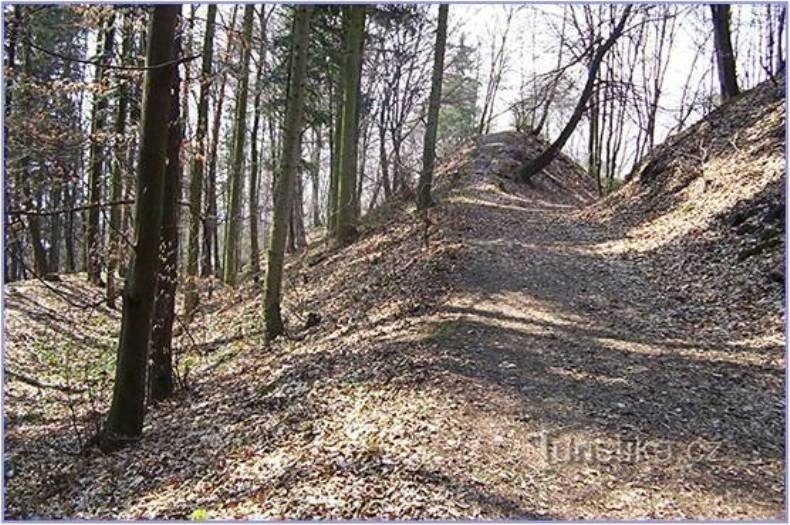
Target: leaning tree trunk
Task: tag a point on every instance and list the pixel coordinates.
(424, 199)
(240, 133)
(545, 158)
(345, 230)
(160, 380)
(283, 191)
(92, 234)
(725, 57)
(125, 419)
(198, 166)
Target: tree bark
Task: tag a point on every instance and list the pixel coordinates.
(336, 131)
(71, 256)
(160, 379)
(424, 199)
(125, 419)
(283, 190)
(347, 176)
(725, 57)
(315, 172)
(55, 231)
(297, 215)
(780, 60)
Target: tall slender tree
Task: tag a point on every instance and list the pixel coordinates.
(424, 199)
(239, 134)
(93, 249)
(336, 131)
(198, 166)
(283, 190)
(125, 419)
(255, 265)
(315, 172)
(12, 30)
(119, 156)
(210, 237)
(345, 230)
(24, 175)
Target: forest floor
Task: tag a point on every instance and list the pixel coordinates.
(507, 356)
(553, 381)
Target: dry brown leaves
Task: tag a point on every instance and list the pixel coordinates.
(449, 377)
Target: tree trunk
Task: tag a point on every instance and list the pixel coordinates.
(725, 57)
(55, 230)
(29, 193)
(335, 133)
(424, 199)
(14, 20)
(385, 178)
(198, 167)
(34, 228)
(255, 264)
(545, 158)
(283, 190)
(239, 134)
(134, 99)
(70, 199)
(315, 172)
(125, 419)
(211, 239)
(297, 214)
(347, 176)
(93, 249)
(116, 184)
(593, 138)
(160, 380)
(780, 60)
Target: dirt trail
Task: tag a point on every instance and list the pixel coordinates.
(611, 403)
(522, 366)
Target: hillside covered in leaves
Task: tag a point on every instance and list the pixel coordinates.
(450, 363)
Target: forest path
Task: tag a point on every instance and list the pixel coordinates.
(521, 366)
(596, 395)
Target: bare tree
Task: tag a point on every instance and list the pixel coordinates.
(545, 158)
(283, 191)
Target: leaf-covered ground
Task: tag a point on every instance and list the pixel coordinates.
(506, 356)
